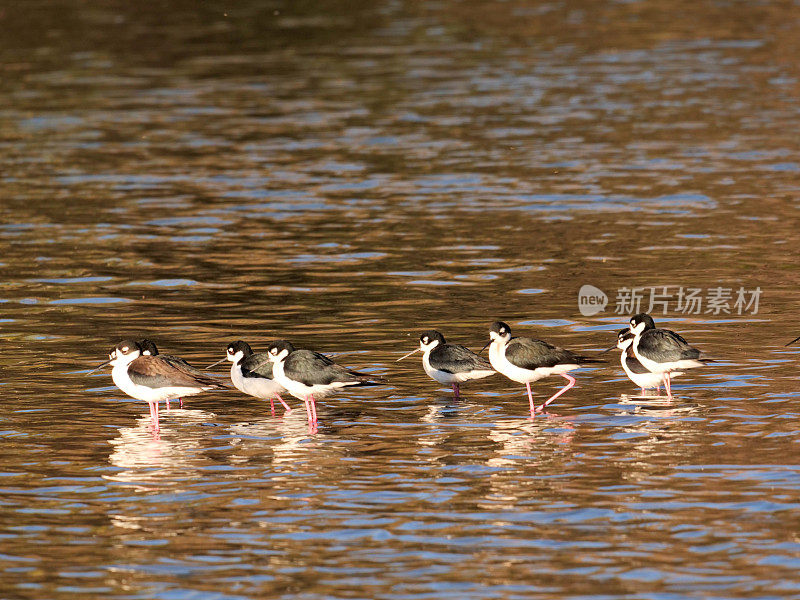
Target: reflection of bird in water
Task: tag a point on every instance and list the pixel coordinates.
(444, 408)
(153, 378)
(306, 374)
(526, 360)
(151, 456)
(449, 363)
(525, 448)
(252, 373)
(634, 369)
(650, 435)
(661, 406)
(287, 439)
(661, 350)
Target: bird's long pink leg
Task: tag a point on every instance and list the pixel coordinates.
(455, 391)
(154, 414)
(571, 380)
(286, 406)
(181, 401)
(313, 408)
(667, 385)
(167, 403)
(642, 391)
(530, 399)
(272, 406)
(308, 409)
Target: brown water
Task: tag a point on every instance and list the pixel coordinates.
(346, 175)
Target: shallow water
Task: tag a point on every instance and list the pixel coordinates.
(347, 175)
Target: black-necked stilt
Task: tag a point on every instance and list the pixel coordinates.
(633, 368)
(526, 360)
(449, 363)
(152, 378)
(149, 348)
(252, 373)
(308, 375)
(661, 350)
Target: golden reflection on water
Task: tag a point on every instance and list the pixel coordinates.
(345, 177)
(169, 455)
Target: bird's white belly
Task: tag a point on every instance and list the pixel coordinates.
(643, 380)
(435, 374)
(141, 392)
(449, 378)
(259, 387)
(301, 390)
(499, 362)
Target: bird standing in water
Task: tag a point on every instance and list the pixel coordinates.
(309, 375)
(449, 363)
(149, 348)
(153, 378)
(634, 369)
(662, 351)
(526, 360)
(252, 373)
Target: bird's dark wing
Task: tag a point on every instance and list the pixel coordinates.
(663, 345)
(528, 353)
(451, 358)
(154, 371)
(313, 368)
(257, 365)
(175, 360)
(181, 364)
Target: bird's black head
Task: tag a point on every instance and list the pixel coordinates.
(236, 347)
(500, 328)
(624, 338)
(126, 350)
(499, 331)
(279, 349)
(429, 337)
(148, 347)
(642, 322)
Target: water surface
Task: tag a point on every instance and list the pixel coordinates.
(348, 175)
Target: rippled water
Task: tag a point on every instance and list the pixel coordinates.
(347, 175)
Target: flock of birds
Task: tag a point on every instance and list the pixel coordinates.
(650, 356)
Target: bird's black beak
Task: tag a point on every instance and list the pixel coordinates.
(407, 355)
(793, 341)
(608, 349)
(98, 367)
(489, 343)
(216, 363)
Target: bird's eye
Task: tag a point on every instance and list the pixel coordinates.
(124, 349)
(424, 340)
(273, 351)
